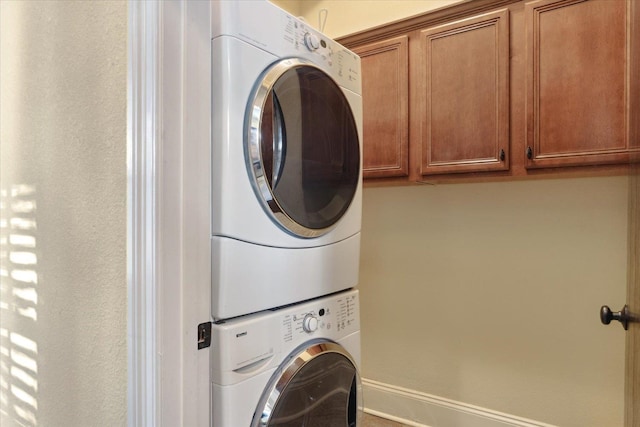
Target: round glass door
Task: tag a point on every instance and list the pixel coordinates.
(319, 387)
(303, 148)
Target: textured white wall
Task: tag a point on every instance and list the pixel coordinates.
(63, 305)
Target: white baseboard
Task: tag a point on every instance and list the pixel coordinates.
(417, 409)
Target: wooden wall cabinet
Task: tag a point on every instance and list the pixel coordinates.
(502, 89)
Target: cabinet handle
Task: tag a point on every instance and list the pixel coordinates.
(502, 156)
(529, 153)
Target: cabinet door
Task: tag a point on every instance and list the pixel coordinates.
(581, 97)
(385, 85)
(465, 87)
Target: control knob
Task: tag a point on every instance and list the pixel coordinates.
(311, 41)
(310, 323)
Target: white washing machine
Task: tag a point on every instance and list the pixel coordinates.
(286, 160)
(294, 366)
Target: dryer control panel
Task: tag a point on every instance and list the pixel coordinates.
(313, 45)
(273, 30)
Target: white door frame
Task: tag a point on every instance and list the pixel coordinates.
(142, 183)
(168, 213)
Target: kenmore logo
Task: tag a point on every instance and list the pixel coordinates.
(241, 334)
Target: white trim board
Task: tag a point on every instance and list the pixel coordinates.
(169, 214)
(414, 408)
(142, 183)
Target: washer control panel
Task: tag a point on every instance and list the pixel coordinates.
(326, 317)
(254, 341)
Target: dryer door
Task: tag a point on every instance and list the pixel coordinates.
(303, 148)
(318, 386)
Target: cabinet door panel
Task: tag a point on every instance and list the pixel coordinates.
(466, 83)
(385, 85)
(578, 65)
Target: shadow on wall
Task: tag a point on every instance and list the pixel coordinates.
(18, 307)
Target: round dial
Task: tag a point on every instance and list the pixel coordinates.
(310, 323)
(311, 41)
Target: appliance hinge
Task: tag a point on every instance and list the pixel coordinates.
(204, 335)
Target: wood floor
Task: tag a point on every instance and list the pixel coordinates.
(371, 421)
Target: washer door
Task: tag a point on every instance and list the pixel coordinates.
(318, 386)
(302, 147)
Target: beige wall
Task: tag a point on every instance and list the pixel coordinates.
(349, 16)
(488, 294)
(63, 354)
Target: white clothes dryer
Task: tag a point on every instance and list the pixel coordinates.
(286, 160)
(292, 366)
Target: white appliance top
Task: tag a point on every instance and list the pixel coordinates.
(258, 341)
(267, 27)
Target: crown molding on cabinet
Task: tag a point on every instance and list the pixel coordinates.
(424, 20)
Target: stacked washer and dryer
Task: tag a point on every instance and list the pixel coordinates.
(287, 198)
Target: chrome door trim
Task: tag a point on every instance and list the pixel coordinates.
(288, 370)
(253, 150)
